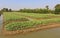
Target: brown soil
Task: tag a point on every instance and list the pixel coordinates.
(51, 25)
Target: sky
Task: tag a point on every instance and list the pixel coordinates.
(18, 4)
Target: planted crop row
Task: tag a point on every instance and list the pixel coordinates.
(24, 25)
(12, 16)
(34, 15)
(20, 25)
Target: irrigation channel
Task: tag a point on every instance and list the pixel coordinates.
(48, 33)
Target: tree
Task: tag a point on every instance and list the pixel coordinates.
(5, 10)
(47, 7)
(57, 9)
(10, 10)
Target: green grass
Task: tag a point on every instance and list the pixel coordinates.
(27, 24)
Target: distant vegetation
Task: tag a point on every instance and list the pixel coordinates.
(46, 10)
(57, 9)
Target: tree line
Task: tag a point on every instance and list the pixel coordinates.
(37, 10)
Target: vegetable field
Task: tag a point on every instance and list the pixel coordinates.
(20, 21)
